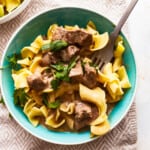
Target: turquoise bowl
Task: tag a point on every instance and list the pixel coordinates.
(39, 25)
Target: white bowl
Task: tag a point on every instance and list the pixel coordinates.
(15, 12)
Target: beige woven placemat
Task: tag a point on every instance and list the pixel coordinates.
(14, 137)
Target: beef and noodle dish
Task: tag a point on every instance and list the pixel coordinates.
(57, 84)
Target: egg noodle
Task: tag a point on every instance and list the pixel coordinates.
(48, 105)
(7, 6)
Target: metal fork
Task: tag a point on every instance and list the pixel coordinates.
(105, 55)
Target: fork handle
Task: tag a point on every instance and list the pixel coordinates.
(123, 19)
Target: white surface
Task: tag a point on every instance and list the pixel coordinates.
(140, 42)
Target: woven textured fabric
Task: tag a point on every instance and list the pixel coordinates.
(14, 137)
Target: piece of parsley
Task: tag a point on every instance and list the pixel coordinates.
(13, 61)
(54, 104)
(56, 45)
(62, 72)
(20, 97)
(2, 101)
(72, 63)
(55, 83)
(59, 66)
(45, 98)
(10, 116)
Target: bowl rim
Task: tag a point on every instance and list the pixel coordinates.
(2, 60)
(15, 12)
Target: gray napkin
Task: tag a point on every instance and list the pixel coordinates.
(14, 137)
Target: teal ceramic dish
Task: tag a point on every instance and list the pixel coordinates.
(39, 25)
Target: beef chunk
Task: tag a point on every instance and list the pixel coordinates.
(48, 58)
(95, 112)
(68, 53)
(59, 34)
(77, 71)
(68, 96)
(89, 77)
(82, 110)
(36, 82)
(79, 37)
(84, 114)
